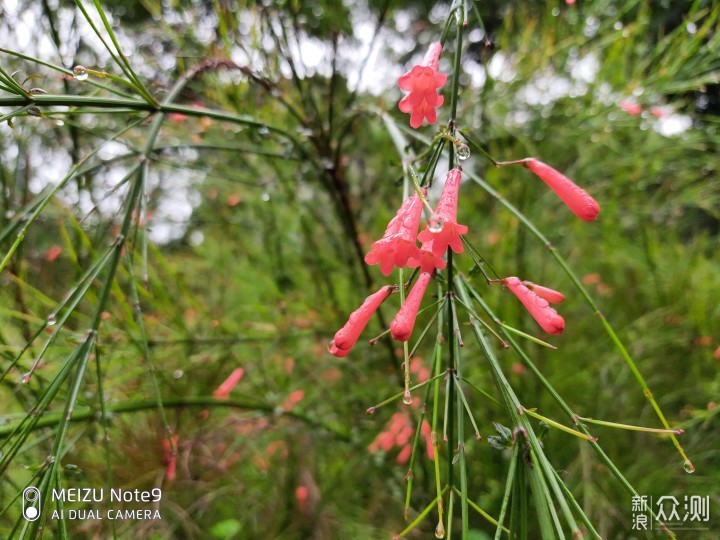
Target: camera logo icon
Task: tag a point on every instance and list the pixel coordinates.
(31, 503)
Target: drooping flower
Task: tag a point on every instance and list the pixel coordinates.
(539, 308)
(170, 457)
(223, 391)
(576, 198)
(347, 336)
(402, 326)
(448, 231)
(398, 243)
(423, 82)
(426, 259)
(552, 296)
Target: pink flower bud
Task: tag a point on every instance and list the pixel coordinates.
(448, 231)
(404, 322)
(423, 82)
(347, 336)
(539, 308)
(577, 199)
(550, 295)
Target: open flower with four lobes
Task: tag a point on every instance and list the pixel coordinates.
(423, 82)
(537, 302)
(446, 232)
(398, 243)
(576, 198)
(347, 336)
(426, 259)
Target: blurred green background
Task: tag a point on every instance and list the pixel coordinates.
(249, 252)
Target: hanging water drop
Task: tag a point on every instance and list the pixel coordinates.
(26, 377)
(440, 530)
(80, 73)
(51, 320)
(462, 152)
(688, 466)
(435, 224)
(407, 397)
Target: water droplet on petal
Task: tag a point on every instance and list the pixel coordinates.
(462, 152)
(688, 466)
(435, 224)
(440, 530)
(51, 320)
(407, 397)
(80, 73)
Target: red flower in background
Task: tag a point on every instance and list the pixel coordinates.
(576, 198)
(399, 433)
(631, 107)
(448, 230)
(539, 308)
(347, 336)
(398, 243)
(423, 82)
(223, 391)
(404, 322)
(170, 457)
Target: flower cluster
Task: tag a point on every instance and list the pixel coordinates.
(399, 433)
(398, 247)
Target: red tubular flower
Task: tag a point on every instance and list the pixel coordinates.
(170, 457)
(577, 199)
(398, 243)
(347, 336)
(426, 259)
(426, 430)
(223, 391)
(550, 295)
(423, 82)
(539, 308)
(446, 211)
(404, 322)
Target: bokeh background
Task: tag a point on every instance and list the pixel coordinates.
(248, 252)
